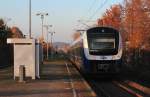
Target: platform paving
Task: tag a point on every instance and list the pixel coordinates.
(58, 79)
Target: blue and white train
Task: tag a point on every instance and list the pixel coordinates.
(98, 50)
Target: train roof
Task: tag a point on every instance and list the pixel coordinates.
(102, 27)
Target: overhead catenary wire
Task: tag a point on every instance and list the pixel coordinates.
(89, 9)
(100, 7)
(92, 9)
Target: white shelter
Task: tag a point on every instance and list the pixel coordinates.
(27, 52)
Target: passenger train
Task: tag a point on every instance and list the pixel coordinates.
(98, 50)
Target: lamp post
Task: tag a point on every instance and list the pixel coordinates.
(42, 18)
(52, 33)
(47, 28)
(30, 19)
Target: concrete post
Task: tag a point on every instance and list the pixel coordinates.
(21, 73)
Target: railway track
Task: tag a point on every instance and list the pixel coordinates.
(131, 89)
(137, 86)
(108, 88)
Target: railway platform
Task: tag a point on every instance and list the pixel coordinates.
(58, 79)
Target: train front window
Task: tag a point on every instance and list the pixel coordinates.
(103, 41)
(100, 44)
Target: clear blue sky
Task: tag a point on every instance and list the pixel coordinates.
(63, 14)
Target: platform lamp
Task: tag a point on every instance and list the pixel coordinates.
(41, 14)
(47, 28)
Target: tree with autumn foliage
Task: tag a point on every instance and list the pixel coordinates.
(4, 33)
(136, 23)
(111, 17)
(16, 32)
(132, 19)
(6, 50)
(1, 23)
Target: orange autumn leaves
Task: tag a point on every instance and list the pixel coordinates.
(132, 19)
(135, 40)
(111, 17)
